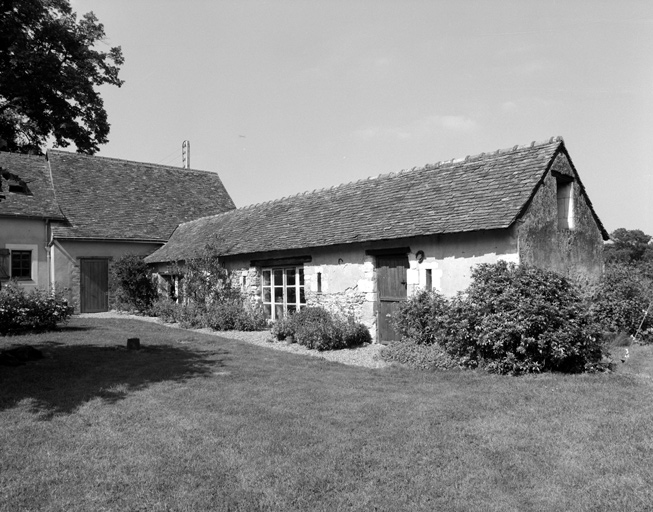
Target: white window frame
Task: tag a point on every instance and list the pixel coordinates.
(299, 286)
(34, 248)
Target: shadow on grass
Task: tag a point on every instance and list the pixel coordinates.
(71, 375)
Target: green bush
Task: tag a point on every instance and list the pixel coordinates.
(517, 319)
(316, 328)
(621, 301)
(133, 288)
(166, 309)
(423, 318)
(284, 328)
(235, 315)
(355, 333)
(36, 310)
(418, 356)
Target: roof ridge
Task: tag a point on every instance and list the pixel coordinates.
(477, 156)
(392, 174)
(148, 164)
(22, 154)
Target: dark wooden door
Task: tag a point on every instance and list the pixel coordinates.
(391, 285)
(94, 285)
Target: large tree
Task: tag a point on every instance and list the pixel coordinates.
(50, 70)
(630, 246)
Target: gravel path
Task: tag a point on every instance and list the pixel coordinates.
(366, 355)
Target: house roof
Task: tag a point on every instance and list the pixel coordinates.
(36, 199)
(482, 192)
(112, 199)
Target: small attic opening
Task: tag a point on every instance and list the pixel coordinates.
(565, 200)
(14, 184)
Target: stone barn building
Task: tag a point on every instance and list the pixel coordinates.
(363, 247)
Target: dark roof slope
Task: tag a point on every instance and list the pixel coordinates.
(483, 192)
(36, 200)
(107, 198)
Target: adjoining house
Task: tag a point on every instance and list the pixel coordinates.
(66, 216)
(363, 247)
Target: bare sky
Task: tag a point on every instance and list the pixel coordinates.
(284, 96)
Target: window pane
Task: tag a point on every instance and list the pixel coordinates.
(267, 294)
(302, 299)
(267, 309)
(266, 277)
(278, 311)
(290, 276)
(278, 294)
(21, 264)
(278, 277)
(291, 295)
(291, 309)
(301, 275)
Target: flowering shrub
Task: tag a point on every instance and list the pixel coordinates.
(316, 328)
(37, 310)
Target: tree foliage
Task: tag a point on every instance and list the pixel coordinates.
(49, 74)
(630, 246)
(623, 300)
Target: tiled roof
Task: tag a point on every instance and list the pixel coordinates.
(37, 200)
(108, 198)
(481, 192)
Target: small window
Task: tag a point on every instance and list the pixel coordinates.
(319, 282)
(565, 198)
(21, 264)
(429, 279)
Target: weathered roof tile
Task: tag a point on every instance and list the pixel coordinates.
(481, 192)
(108, 198)
(37, 199)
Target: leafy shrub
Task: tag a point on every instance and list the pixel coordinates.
(234, 315)
(191, 315)
(284, 328)
(419, 356)
(621, 301)
(517, 319)
(37, 310)
(205, 280)
(423, 318)
(132, 284)
(355, 333)
(166, 309)
(316, 328)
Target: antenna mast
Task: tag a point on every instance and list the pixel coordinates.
(185, 154)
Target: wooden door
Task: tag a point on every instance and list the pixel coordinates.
(94, 285)
(391, 285)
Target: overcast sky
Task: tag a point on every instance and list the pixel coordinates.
(281, 96)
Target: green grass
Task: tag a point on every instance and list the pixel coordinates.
(197, 422)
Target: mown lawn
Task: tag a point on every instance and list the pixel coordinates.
(194, 422)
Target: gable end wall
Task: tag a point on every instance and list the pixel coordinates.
(576, 253)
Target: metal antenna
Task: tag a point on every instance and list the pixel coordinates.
(185, 154)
